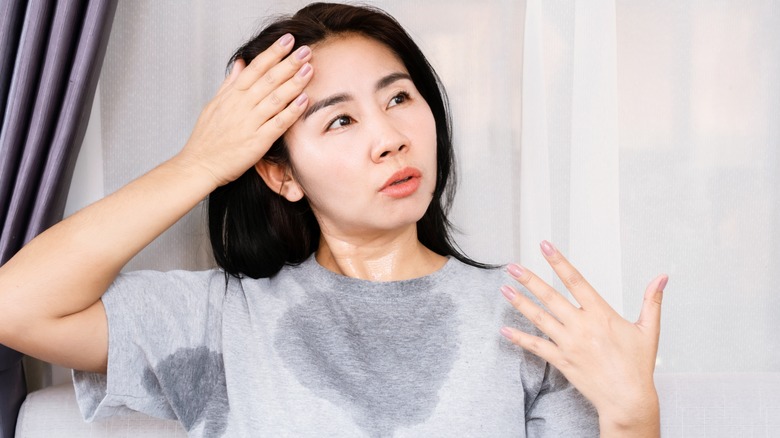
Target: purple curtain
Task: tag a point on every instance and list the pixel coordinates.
(51, 53)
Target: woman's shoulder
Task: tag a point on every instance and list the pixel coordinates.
(466, 272)
(178, 278)
(143, 288)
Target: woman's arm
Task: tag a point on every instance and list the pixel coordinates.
(608, 359)
(50, 290)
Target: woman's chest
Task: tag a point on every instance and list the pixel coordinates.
(332, 369)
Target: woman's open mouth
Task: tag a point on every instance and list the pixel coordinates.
(402, 183)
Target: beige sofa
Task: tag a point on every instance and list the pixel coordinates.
(692, 405)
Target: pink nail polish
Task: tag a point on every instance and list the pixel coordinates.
(547, 248)
(509, 294)
(302, 52)
(515, 270)
(662, 284)
(300, 100)
(285, 40)
(304, 70)
(506, 332)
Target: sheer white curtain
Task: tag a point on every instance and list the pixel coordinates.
(640, 137)
(700, 134)
(656, 125)
(650, 140)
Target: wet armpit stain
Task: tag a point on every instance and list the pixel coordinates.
(193, 380)
(383, 361)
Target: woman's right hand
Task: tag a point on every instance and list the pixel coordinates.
(59, 317)
(254, 106)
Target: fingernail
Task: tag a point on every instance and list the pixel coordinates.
(662, 284)
(515, 270)
(302, 52)
(300, 100)
(304, 70)
(509, 294)
(285, 40)
(547, 248)
(506, 332)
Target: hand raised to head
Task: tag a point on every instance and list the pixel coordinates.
(253, 107)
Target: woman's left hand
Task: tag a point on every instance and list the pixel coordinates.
(608, 359)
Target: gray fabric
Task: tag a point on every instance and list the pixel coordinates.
(312, 353)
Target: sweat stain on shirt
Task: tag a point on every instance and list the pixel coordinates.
(366, 354)
(302, 356)
(194, 380)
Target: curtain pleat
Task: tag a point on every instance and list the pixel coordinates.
(50, 71)
(49, 91)
(11, 19)
(18, 112)
(73, 118)
(594, 215)
(535, 210)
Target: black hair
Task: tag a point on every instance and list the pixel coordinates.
(254, 231)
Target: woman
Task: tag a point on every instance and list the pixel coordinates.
(342, 308)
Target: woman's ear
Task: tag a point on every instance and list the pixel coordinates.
(279, 179)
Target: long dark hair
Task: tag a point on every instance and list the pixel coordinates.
(253, 230)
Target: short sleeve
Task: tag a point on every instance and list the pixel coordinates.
(559, 409)
(164, 345)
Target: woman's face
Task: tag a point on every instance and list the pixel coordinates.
(364, 152)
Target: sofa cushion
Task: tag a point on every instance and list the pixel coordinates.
(707, 404)
(53, 412)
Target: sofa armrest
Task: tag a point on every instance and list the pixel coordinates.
(53, 412)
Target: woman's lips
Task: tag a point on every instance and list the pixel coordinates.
(402, 183)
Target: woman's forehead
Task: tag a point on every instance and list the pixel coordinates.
(351, 57)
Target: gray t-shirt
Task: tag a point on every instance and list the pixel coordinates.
(312, 353)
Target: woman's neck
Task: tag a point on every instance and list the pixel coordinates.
(386, 257)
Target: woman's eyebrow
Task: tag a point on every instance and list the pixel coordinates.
(343, 97)
(320, 104)
(389, 79)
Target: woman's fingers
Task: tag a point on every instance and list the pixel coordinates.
(255, 105)
(280, 73)
(650, 315)
(279, 123)
(580, 289)
(536, 345)
(264, 62)
(282, 97)
(235, 70)
(550, 298)
(537, 315)
(270, 85)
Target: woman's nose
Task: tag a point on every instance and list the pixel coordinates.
(390, 141)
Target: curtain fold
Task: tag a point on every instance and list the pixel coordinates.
(535, 208)
(594, 215)
(11, 19)
(54, 71)
(658, 123)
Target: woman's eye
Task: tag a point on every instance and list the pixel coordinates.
(340, 122)
(398, 99)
